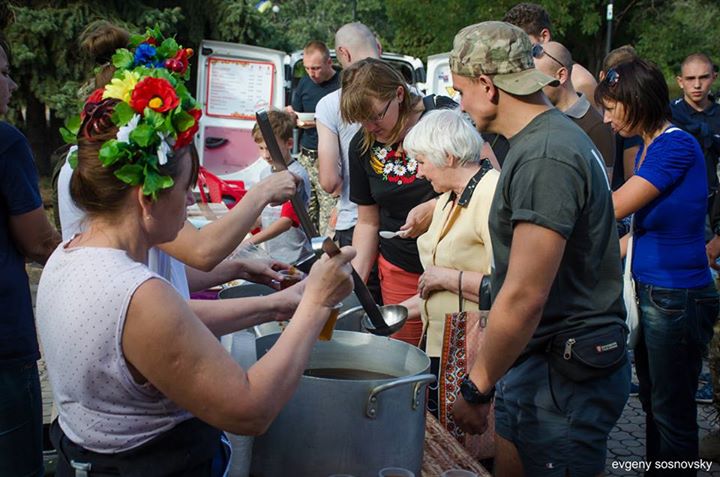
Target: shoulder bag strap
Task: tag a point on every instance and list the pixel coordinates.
(629, 253)
(460, 295)
(429, 102)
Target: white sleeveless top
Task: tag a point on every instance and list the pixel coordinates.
(72, 222)
(82, 303)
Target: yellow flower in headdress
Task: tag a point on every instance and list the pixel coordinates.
(122, 88)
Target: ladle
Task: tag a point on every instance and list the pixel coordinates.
(377, 323)
(384, 320)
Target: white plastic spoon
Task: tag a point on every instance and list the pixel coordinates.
(386, 234)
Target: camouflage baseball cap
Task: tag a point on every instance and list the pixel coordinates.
(502, 51)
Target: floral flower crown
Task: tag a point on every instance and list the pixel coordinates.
(148, 102)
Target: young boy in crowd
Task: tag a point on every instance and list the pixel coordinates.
(281, 232)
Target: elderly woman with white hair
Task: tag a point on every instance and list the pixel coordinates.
(455, 251)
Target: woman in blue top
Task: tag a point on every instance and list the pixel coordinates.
(678, 302)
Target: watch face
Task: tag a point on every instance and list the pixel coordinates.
(469, 392)
(472, 395)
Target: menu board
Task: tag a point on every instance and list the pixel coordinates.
(238, 88)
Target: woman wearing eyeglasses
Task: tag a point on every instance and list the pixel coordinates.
(677, 300)
(383, 180)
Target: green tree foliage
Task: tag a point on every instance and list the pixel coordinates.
(299, 21)
(672, 30)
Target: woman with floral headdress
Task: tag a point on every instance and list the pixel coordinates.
(194, 260)
(143, 386)
(383, 179)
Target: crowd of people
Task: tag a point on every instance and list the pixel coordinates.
(515, 202)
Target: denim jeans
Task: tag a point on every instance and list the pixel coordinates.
(21, 441)
(676, 325)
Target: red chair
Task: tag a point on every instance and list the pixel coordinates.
(228, 191)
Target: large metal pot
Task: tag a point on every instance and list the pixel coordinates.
(349, 318)
(353, 426)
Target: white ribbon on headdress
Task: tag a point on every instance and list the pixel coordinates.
(123, 134)
(163, 150)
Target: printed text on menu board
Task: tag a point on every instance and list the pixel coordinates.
(238, 88)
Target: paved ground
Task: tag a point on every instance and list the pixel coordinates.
(627, 440)
(626, 444)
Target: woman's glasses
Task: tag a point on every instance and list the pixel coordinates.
(612, 77)
(381, 116)
(538, 51)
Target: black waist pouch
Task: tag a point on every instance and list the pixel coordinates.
(588, 353)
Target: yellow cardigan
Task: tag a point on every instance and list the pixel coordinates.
(458, 238)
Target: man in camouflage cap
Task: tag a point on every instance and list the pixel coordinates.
(557, 289)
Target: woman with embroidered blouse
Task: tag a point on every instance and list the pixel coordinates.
(455, 251)
(383, 179)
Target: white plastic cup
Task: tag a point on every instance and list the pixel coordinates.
(458, 473)
(395, 472)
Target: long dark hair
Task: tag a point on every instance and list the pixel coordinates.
(641, 88)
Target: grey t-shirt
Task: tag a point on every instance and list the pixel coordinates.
(554, 178)
(327, 112)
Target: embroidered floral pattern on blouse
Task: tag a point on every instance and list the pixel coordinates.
(394, 166)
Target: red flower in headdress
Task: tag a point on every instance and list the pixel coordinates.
(184, 138)
(154, 93)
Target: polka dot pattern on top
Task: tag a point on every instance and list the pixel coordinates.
(82, 302)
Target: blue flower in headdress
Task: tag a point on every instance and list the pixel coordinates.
(144, 55)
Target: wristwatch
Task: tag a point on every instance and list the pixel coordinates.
(472, 394)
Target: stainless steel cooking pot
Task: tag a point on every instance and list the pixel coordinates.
(349, 319)
(351, 425)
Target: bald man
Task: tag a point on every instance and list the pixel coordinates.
(535, 21)
(555, 60)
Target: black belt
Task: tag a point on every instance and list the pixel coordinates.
(311, 153)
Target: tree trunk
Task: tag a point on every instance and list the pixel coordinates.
(37, 133)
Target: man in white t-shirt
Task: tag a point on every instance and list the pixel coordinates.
(353, 42)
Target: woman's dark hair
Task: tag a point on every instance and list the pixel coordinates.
(94, 187)
(99, 40)
(642, 90)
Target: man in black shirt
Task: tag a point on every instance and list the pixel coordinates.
(696, 113)
(321, 80)
(556, 282)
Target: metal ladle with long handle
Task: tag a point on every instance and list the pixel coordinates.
(381, 321)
